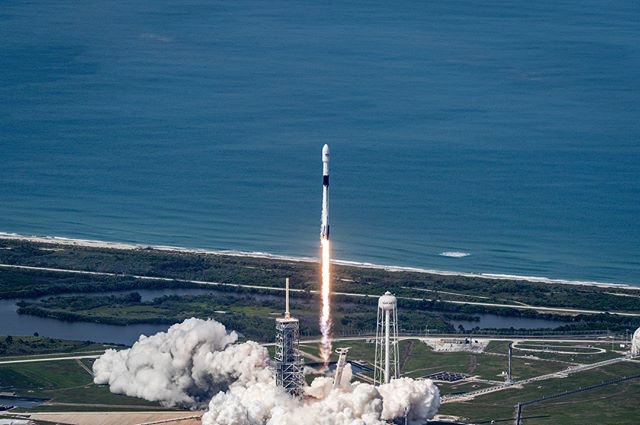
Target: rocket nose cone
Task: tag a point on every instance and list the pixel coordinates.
(325, 153)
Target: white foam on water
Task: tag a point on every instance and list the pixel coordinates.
(454, 254)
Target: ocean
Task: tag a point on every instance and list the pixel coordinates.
(485, 137)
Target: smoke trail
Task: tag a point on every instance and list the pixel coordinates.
(325, 317)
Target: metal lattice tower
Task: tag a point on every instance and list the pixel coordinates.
(289, 369)
(386, 366)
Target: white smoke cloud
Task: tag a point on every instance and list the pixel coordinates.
(197, 361)
(351, 404)
(184, 366)
(420, 399)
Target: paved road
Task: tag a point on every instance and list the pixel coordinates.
(560, 374)
(312, 341)
(50, 359)
(347, 294)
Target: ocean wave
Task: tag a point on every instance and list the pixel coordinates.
(454, 254)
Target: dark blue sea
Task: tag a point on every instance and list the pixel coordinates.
(508, 131)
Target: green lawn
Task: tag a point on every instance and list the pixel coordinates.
(419, 360)
(60, 382)
(19, 346)
(461, 387)
(597, 410)
(37, 378)
(615, 404)
(587, 348)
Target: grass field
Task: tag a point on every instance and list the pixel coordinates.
(461, 387)
(61, 382)
(598, 406)
(19, 346)
(611, 405)
(69, 387)
(418, 360)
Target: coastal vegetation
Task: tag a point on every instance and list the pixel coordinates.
(429, 301)
(13, 346)
(24, 283)
(270, 272)
(252, 315)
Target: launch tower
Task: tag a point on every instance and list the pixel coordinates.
(287, 357)
(386, 365)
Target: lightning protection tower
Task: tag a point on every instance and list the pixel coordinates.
(510, 360)
(289, 373)
(386, 366)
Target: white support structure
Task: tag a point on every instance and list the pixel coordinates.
(342, 362)
(386, 366)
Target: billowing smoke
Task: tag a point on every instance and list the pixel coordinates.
(351, 404)
(418, 399)
(197, 361)
(185, 366)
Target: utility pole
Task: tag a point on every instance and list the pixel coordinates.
(518, 414)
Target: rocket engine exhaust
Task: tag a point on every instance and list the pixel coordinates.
(325, 316)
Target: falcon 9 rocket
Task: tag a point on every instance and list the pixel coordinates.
(325, 316)
(324, 220)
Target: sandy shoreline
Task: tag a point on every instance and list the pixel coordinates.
(56, 240)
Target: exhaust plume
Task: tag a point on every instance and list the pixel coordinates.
(350, 404)
(325, 315)
(185, 366)
(196, 362)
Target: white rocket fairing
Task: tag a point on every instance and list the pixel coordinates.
(324, 219)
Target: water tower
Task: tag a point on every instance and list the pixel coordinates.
(386, 366)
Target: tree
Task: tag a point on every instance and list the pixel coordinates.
(8, 340)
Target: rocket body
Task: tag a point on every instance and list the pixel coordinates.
(324, 219)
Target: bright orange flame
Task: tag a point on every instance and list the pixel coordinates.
(325, 317)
